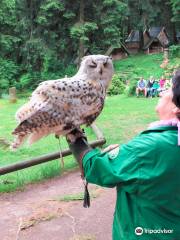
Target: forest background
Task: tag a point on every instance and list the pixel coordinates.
(40, 39)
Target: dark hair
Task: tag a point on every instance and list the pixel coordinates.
(176, 89)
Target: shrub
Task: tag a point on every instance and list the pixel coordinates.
(174, 51)
(8, 74)
(130, 89)
(117, 86)
(54, 68)
(29, 81)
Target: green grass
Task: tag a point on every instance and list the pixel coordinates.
(144, 65)
(94, 193)
(121, 119)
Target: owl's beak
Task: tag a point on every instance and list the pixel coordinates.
(100, 68)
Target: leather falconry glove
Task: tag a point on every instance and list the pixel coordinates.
(79, 147)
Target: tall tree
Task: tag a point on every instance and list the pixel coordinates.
(81, 21)
(176, 11)
(8, 40)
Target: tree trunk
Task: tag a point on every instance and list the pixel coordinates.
(81, 42)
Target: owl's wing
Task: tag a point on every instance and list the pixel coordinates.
(48, 93)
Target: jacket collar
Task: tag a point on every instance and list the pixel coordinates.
(160, 129)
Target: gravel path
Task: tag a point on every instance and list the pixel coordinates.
(36, 213)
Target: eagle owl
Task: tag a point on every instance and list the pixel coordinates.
(59, 106)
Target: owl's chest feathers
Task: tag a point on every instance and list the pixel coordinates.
(97, 87)
(94, 96)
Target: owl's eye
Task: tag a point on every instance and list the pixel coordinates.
(105, 63)
(93, 64)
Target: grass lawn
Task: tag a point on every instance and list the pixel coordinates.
(144, 65)
(121, 119)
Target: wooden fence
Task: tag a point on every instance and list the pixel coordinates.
(52, 156)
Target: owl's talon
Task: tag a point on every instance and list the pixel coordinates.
(75, 134)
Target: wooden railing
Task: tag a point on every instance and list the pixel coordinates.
(52, 156)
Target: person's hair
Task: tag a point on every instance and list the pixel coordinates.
(176, 89)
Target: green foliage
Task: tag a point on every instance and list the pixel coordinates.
(176, 10)
(113, 14)
(80, 30)
(117, 86)
(41, 37)
(29, 81)
(32, 53)
(8, 43)
(49, 11)
(8, 74)
(131, 87)
(174, 51)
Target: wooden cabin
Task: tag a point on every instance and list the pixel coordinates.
(146, 36)
(158, 40)
(117, 52)
(133, 42)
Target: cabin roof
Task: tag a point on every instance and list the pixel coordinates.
(133, 36)
(154, 31)
(111, 48)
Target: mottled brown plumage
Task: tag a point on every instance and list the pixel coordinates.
(58, 106)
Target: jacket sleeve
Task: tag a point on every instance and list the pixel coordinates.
(107, 170)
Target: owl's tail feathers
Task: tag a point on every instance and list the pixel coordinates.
(28, 129)
(21, 132)
(18, 141)
(5, 144)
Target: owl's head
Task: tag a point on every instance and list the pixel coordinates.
(97, 67)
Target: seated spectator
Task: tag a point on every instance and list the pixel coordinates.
(155, 89)
(141, 87)
(162, 83)
(149, 87)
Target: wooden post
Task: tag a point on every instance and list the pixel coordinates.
(166, 53)
(12, 95)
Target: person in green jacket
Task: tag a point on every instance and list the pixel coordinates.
(145, 172)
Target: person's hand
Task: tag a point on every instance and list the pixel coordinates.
(110, 147)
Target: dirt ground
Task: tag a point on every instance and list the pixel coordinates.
(36, 213)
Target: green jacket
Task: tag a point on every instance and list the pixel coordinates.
(146, 173)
